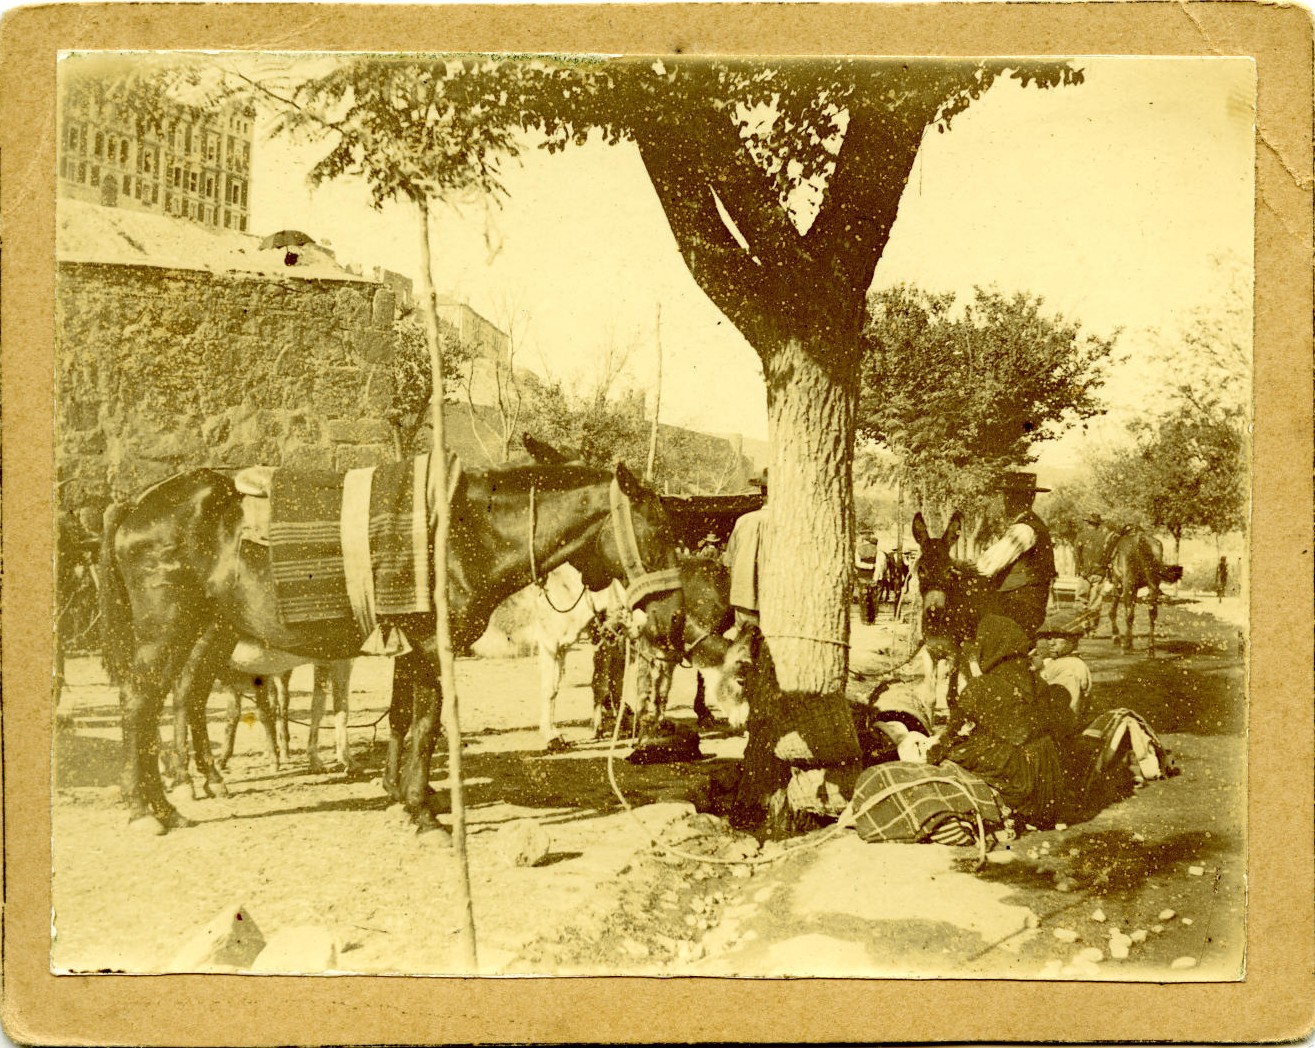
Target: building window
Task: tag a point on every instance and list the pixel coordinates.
(228, 219)
(211, 147)
(246, 153)
(95, 174)
(244, 194)
(209, 186)
(123, 152)
(127, 185)
(71, 139)
(155, 193)
(100, 144)
(243, 223)
(187, 139)
(148, 161)
(82, 171)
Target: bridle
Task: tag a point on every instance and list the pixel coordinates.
(641, 584)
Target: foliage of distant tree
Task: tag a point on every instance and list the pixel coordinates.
(1185, 469)
(960, 397)
(1183, 473)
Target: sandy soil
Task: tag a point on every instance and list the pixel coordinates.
(296, 849)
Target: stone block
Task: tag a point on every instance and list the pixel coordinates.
(231, 938)
(308, 456)
(375, 346)
(522, 842)
(358, 431)
(383, 308)
(299, 950)
(354, 456)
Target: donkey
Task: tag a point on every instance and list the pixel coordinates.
(181, 589)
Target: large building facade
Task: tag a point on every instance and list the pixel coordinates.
(193, 168)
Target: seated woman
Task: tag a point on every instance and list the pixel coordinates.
(1012, 730)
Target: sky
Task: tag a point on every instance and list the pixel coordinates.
(1113, 200)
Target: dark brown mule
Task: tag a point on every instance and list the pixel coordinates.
(180, 589)
(954, 595)
(1136, 562)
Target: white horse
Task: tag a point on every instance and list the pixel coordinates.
(272, 675)
(563, 612)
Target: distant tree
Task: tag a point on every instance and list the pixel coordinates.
(1183, 472)
(962, 396)
(1067, 507)
(1185, 469)
(412, 385)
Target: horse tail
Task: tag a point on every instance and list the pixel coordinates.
(115, 610)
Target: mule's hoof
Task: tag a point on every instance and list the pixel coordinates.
(176, 820)
(148, 825)
(218, 789)
(557, 745)
(315, 767)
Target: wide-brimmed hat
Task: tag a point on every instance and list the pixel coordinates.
(1020, 482)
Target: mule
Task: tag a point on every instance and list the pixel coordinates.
(252, 671)
(1133, 560)
(180, 589)
(953, 597)
(330, 677)
(705, 586)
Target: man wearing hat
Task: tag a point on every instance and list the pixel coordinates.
(1022, 562)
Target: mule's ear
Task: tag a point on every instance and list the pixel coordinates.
(542, 453)
(630, 484)
(920, 535)
(951, 535)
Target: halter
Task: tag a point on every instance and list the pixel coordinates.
(642, 583)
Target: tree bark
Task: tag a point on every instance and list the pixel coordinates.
(809, 541)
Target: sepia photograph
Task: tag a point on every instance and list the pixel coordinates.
(668, 515)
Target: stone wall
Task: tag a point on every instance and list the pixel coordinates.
(159, 370)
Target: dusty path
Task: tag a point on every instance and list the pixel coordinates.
(297, 849)
(1164, 868)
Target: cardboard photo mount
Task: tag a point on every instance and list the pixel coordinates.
(1275, 1001)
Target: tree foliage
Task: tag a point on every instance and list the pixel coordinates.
(960, 397)
(1185, 469)
(1184, 472)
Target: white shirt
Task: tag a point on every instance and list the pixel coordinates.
(1017, 540)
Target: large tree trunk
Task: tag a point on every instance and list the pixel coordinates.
(805, 580)
(809, 550)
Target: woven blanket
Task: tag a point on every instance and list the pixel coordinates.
(902, 801)
(335, 536)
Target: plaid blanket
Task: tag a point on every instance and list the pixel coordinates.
(902, 801)
(366, 533)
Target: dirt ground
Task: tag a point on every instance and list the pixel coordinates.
(1165, 867)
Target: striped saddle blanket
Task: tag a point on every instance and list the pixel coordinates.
(355, 544)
